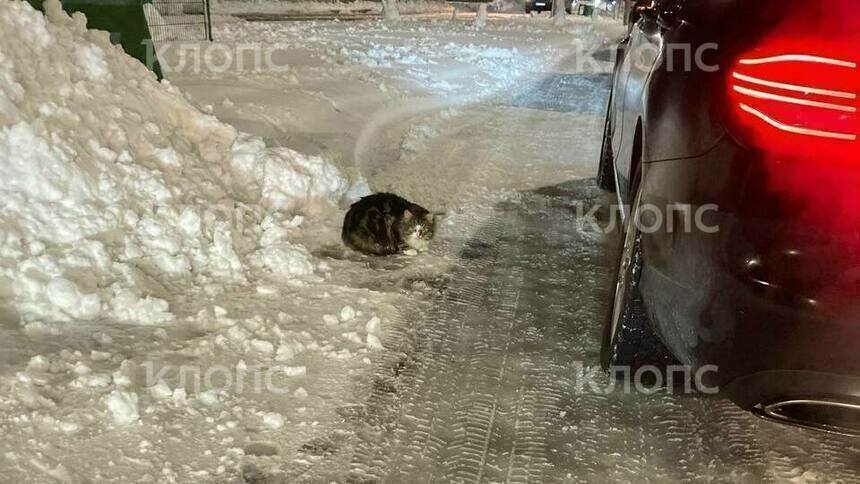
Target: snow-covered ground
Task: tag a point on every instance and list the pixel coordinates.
(175, 304)
(314, 7)
(366, 92)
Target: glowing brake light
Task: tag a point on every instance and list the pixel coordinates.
(793, 100)
(795, 129)
(812, 59)
(793, 87)
(786, 101)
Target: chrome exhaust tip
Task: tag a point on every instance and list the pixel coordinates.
(832, 416)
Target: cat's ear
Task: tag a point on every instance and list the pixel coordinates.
(407, 215)
(437, 217)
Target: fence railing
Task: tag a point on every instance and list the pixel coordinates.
(179, 20)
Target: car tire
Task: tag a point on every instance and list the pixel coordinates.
(606, 165)
(629, 340)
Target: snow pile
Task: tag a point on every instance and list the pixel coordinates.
(115, 187)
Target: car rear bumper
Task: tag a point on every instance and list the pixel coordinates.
(772, 302)
(823, 401)
(741, 329)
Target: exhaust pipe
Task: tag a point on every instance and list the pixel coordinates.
(826, 415)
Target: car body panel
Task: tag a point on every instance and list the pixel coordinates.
(758, 294)
(771, 290)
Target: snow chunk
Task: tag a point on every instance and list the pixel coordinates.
(127, 306)
(286, 260)
(347, 313)
(352, 336)
(373, 325)
(283, 176)
(273, 420)
(65, 295)
(284, 353)
(330, 319)
(161, 390)
(295, 370)
(373, 342)
(209, 398)
(264, 347)
(99, 355)
(91, 60)
(123, 407)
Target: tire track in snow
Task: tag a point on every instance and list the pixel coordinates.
(478, 413)
(506, 401)
(414, 433)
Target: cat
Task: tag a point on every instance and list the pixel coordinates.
(386, 224)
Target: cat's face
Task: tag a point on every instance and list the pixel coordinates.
(418, 231)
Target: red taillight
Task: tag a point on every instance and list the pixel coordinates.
(797, 104)
(792, 95)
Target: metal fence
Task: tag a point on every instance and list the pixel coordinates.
(179, 20)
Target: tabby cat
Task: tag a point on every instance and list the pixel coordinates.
(386, 224)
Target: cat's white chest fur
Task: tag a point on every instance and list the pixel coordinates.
(417, 243)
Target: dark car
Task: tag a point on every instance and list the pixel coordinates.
(742, 116)
(546, 5)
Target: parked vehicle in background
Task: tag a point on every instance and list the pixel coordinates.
(546, 5)
(748, 110)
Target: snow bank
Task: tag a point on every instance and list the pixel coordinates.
(115, 187)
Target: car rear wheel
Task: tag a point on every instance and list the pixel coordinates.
(606, 166)
(629, 339)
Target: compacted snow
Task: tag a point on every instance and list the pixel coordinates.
(175, 305)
